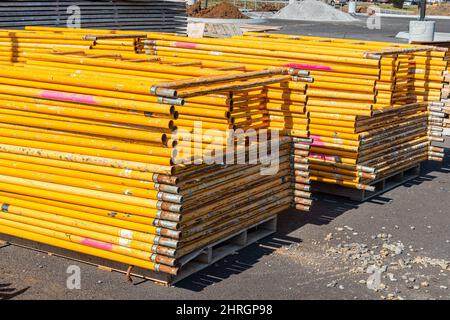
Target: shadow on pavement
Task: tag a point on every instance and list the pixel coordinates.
(430, 167)
(7, 292)
(324, 210)
(244, 260)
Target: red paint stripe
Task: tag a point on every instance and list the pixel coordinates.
(322, 156)
(97, 244)
(63, 96)
(186, 45)
(308, 66)
(317, 141)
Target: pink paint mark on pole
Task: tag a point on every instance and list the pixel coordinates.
(63, 96)
(322, 157)
(186, 45)
(318, 144)
(308, 66)
(317, 141)
(97, 244)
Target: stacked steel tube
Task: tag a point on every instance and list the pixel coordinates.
(301, 173)
(388, 132)
(220, 200)
(149, 15)
(428, 80)
(279, 107)
(368, 103)
(91, 162)
(287, 113)
(286, 110)
(446, 103)
(446, 110)
(439, 107)
(345, 85)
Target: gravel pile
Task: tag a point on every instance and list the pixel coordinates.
(312, 10)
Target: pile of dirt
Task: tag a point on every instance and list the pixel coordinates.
(270, 7)
(223, 10)
(359, 8)
(196, 8)
(312, 10)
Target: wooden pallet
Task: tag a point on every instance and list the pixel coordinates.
(191, 263)
(381, 186)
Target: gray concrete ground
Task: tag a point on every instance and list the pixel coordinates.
(389, 27)
(324, 254)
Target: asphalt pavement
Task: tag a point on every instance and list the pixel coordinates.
(363, 29)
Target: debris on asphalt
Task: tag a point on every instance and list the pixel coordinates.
(425, 261)
(391, 277)
(385, 258)
(332, 284)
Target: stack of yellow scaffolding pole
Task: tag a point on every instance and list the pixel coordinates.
(93, 160)
(301, 173)
(285, 104)
(395, 135)
(284, 109)
(367, 105)
(428, 78)
(446, 102)
(436, 85)
(447, 117)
